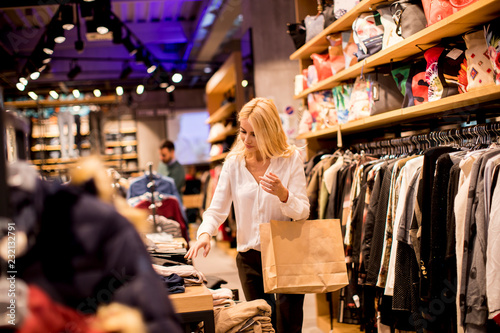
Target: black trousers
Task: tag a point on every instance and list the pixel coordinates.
(287, 309)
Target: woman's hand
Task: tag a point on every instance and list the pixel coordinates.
(272, 184)
(203, 242)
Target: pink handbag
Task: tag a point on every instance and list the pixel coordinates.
(436, 10)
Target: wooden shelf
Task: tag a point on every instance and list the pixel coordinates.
(319, 43)
(121, 143)
(56, 147)
(123, 131)
(470, 98)
(121, 157)
(219, 157)
(225, 78)
(471, 16)
(53, 135)
(32, 104)
(221, 137)
(222, 113)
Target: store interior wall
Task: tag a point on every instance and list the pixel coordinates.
(274, 73)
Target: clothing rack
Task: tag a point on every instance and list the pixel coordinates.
(471, 137)
(151, 186)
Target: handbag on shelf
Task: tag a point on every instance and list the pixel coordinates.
(479, 71)
(445, 72)
(410, 79)
(335, 53)
(436, 10)
(390, 36)
(368, 34)
(329, 14)
(302, 257)
(322, 64)
(314, 25)
(374, 93)
(341, 7)
(349, 48)
(341, 97)
(409, 17)
(297, 32)
(322, 109)
(492, 34)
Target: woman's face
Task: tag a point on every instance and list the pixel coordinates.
(247, 135)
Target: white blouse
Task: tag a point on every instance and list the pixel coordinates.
(252, 205)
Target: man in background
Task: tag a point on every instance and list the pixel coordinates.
(170, 167)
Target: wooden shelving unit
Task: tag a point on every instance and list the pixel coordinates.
(227, 78)
(456, 24)
(222, 113)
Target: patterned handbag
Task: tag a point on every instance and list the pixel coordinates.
(368, 34)
(479, 71)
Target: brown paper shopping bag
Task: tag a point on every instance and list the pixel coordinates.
(301, 257)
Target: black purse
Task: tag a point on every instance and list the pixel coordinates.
(298, 33)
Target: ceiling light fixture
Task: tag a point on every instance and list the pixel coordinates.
(54, 94)
(149, 65)
(33, 95)
(49, 46)
(58, 33)
(35, 75)
(119, 90)
(170, 89)
(75, 69)
(97, 93)
(79, 45)
(67, 17)
(207, 70)
(76, 93)
(20, 86)
(140, 89)
(177, 77)
(163, 85)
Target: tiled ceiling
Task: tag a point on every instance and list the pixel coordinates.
(177, 35)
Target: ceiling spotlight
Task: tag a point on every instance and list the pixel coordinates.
(58, 33)
(207, 70)
(76, 93)
(149, 65)
(119, 90)
(129, 46)
(170, 89)
(126, 71)
(163, 85)
(244, 83)
(33, 95)
(54, 94)
(177, 77)
(140, 89)
(74, 71)
(101, 19)
(35, 75)
(23, 81)
(49, 46)
(20, 86)
(67, 17)
(97, 93)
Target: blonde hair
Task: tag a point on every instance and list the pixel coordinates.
(263, 115)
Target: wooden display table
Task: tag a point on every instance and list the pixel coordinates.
(195, 305)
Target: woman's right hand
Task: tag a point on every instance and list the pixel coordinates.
(202, 242)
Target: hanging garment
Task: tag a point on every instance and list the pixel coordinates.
(99, 254)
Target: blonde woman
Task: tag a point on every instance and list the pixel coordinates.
(263, 177)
